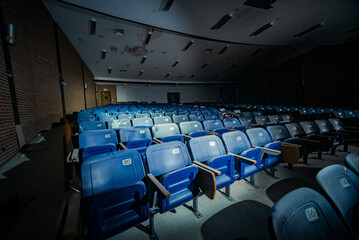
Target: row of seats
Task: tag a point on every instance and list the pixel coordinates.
(331, 214)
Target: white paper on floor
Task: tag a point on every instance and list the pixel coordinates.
(13, 162)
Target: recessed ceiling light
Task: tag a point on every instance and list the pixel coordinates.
(222, 21)
(103, 54)
(92, 27)
(109, 70)
(223, 50)
(188, 45)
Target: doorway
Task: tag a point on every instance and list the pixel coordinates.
(106, 98)
(173, 97)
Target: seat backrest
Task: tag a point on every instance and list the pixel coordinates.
(262, 120)
(154, 115)
(236, 142)
(134, 133)
(295, 130)
(324, 126)
(210, 116)
(142, 115)
(350, 114)
(97, 137)
(191, 126)
(248, 115)
(258, 136)
(162, 120)
(337, 124)
(274, 118)
(338, 114)
(142, 122)
(180, 118)
(287, 117)
(352, 161)
(165, 130)
(88, 126)
(167, 157)
(210, 125)
(196, 117)
(341, 186)
(309, 127)
(118, 123)
(108, 171)
(206, 147)
(257, 113)
(246, 121)
(126, 116)
(305, 214)
(278, 133)
(231, 122)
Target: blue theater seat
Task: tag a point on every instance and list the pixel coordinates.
(210, 116)
(287, 117)
(94, 125)
(167, 132)
(305, 214)
(142, 122)
(192, 129)
(196, 117)
(352, 161)
(114, 193)
(119, 123)
(231, 123)
(341, 187)
(171, 164)
(162, 120)
(215, 126)
(180, 118)
(97, 141)
(238, 143)
(137, 138)
(259, 137)
(142, 115)
(210, 151)
(245, 121)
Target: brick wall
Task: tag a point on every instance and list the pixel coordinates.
(36, 77)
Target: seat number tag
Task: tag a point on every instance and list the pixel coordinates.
(147, 121)
(212, 143)
(107, 135)
(216, 123)
(142, 131)
(124, 123)
(196, 125)
(98, 125)
(166, 120)
(175, 151)
(183, 118)
(294, 128)
(344, 182)
(325, 124)
(234, 121)
(172, 128)
(311, 214)
(280, 130)
(239, 138)
(126, 162)
(260, 134)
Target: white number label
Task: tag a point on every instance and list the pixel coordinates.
(172, 128)
(142, 131)
(107, 135)
(175, 151)
(260, 134)
(311, 214)
(212, 143)
(147, 121)
(216, 123)
(344, 182)
(166, 120)
(126, 162)
(196, 125)
(239, 138)
(98, 125)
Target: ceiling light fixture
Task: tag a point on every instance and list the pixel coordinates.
(143, 59)
(223, 50)
(262, 29)
(308, 30)
(109, 70)
(166, 5)
(188, 45)
(92, 28)
(176, 62)
(103, 54)
(222, 21)
(148, 37)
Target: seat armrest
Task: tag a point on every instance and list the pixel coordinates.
(216, 172)
(291, 144)
(156, 140)
(122, 146)
(211, 133)
(186, 136)
(158, 186)
(269, 151)
(243, 159)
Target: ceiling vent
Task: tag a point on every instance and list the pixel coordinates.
(263, 4)
(223, 50)
(308, 30)
(205, 65)
(143, 59)
(262, 29)
(176, 62)
(92, 26)
(188, 45)
(257, 51)
(222, 21)
(166, 5)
